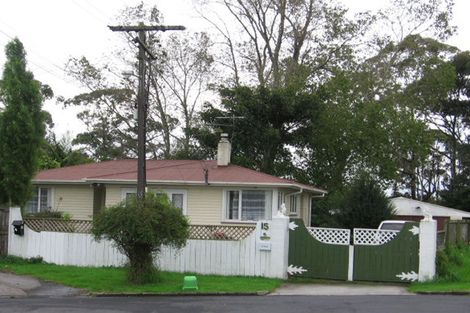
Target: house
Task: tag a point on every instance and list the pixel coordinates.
(414, 210)
(208, 192)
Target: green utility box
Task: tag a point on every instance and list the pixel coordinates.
(190, 283)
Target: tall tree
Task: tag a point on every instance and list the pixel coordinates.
(181, 80)
(177, 83)
(263, 123)
(454, 113)
(60, 152)
(22, 126)
(283, 42)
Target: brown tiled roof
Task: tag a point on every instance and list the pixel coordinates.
(177, 171)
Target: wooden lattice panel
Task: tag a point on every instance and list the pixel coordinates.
(220, 232)
(58, 225)
(207, 232)
(335, 236)
(373, 237)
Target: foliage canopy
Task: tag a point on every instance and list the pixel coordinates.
(139, 230)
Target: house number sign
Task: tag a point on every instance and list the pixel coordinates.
(264, 242)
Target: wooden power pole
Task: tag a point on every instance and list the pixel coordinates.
(142, 97)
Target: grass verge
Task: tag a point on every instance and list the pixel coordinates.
(113, 279)
(453, 273)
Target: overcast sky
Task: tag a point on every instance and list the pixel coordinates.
(55, 30)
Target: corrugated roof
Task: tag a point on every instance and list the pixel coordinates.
(409, 207)
(183, 171)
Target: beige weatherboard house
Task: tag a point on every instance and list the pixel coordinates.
(208, 192)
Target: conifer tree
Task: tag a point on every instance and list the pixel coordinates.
(21, 126)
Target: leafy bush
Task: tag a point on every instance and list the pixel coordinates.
(139, 231)
(325, 211)
(448, 259)
(10, 259)
(35, 260)
(45, 214)
(363, 204)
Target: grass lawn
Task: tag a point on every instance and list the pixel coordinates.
(113, 279)
(458, 274)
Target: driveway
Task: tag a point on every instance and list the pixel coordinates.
(340, 290)
(21, 286)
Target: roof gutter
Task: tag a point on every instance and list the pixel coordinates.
(295, 193)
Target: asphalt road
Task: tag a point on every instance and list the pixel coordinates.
(268, 304)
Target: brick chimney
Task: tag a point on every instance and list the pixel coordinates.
(224, 149)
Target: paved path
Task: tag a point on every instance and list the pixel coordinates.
(21, 286)
(339, 290)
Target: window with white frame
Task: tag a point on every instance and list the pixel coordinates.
(294, 204)
(177, 197)
(41, 200)
(127, 193)
(247, 205)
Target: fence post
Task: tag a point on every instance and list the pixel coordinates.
(427, 249)
(280, 246)
(13, 241)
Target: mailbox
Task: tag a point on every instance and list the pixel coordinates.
(18, 228)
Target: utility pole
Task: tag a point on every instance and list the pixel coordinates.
(142, 97)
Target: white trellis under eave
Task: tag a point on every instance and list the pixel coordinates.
(373, 237)
(335, 236)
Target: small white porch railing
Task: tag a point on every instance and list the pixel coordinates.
(373, 237)
(335, 236)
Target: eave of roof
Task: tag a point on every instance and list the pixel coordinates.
(178, 182)
(186, 172)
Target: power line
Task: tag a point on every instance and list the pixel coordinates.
(60, 76)
(97, 9)
(88, 11)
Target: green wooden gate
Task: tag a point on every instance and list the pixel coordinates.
(396, 260)
(375, 256)
(309, 257)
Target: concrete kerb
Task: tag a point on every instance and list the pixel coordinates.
(176, 294)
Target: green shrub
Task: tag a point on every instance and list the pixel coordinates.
(35, 260)
(45, 214)
(325, 211)
(447, 260)
(455, 255)
(443, 266)
(363, 204)
(67, 216)
(140, 230)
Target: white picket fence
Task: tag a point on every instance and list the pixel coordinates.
(221, 257)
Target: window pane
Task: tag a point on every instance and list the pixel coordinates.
(294, 203)
(130, 195)
(177, 200)
(232, 205)
(253, 205)
(32, 205)
(43, 199)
